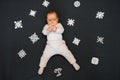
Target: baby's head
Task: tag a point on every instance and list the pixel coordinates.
(52, 17)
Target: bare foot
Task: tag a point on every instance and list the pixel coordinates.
(40, 71)
(76, 66)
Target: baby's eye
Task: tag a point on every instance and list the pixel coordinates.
(49, 20)
(54, 19)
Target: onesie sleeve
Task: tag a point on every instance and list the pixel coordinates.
(44, 31)
(60, 28)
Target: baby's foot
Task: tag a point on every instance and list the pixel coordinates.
(76, 66)
(40, 71)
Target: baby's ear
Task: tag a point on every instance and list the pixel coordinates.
(58, 19)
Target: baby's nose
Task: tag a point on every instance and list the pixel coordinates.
(52, 21)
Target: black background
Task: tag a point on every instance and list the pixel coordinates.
(86, 28)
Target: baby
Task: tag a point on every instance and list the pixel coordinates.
(55, 43)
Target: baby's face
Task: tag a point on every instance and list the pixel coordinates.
(52, 19)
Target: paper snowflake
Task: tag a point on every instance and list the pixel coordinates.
(77, 3)
(100, 15)
(100, 39)
(58, 71)
(95, 61)
(32, 13)
(45, 3)
(76, 41)
(21, 53)
(18, 24)
(34, 38)
(71, 22)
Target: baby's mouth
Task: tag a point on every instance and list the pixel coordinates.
(52, 25)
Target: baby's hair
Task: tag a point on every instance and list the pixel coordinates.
(52, 11)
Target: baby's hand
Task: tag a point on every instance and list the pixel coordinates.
(54, 28)
(49, 29)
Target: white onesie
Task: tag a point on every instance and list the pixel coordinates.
(55, 45)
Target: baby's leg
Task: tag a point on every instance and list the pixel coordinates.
(64, 51)
(47, 54)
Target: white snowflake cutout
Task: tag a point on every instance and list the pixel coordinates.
(76, 41)
(34, 38)
(18, 24)
(22, 53)
(71, 22)
(77, 3)
(100, 39)
(45, 3)
(100, 15)
(95, 60)
(58, 71)
(32, 13)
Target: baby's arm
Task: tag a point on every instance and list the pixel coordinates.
(45, 30)
(60, 28)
